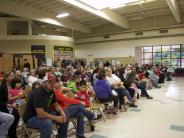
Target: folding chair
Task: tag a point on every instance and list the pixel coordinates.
(97, 106)
(30, 132)
(28, 90)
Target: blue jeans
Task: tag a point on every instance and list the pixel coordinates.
(128, 91)
(142, 87)
(77, 111)
(121, 93)
(72, 109)
(124, 92)
(6, 121)
(154, 81)
(44, 125)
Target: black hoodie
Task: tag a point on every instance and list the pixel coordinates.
(3, 97)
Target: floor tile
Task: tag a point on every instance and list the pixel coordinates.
(162, 117)
(97, 136)
(135, 110)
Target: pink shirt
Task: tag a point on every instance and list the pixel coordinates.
(14, 92)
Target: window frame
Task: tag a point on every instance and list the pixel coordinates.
(170, 58)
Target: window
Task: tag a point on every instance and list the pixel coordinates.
(175, 54)
(156, 61)
(157, 49)
(147, 49)
(166, 52)
(166, 62)
(17, 28)
(169, 55)
(175, 62)
(157, 55)
(147, 61)
(182, 62)
(148, 55)
(175, 48)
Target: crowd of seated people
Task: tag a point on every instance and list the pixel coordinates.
(47, 102)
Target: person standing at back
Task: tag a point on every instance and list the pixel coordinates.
(26, 64)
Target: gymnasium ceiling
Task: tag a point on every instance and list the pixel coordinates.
(83, 20)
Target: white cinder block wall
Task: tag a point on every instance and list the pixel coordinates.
(121, 48)
(105, 49)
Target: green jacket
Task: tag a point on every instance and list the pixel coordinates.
(72, 85)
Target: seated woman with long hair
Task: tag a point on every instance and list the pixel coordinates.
(132, 79)
(4, 106)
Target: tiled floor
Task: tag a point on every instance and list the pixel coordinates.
(162, 117)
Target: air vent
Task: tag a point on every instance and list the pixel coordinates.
(106, 36)
(138, 33)
(163, 31)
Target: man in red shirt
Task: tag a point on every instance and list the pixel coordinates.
(73, 109)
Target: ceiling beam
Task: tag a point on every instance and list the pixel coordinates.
(106, 14)
(116, 19)
(173, 5)
(25, 11)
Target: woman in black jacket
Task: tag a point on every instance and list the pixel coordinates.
(132, 78)
(4, 104)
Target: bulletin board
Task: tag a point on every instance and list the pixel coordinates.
(62, 52)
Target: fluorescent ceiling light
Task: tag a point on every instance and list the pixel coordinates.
(102, 4)
(61, 15)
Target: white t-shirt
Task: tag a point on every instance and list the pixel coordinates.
(113, 79)
(31, 80)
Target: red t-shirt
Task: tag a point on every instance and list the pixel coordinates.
(84, 97)
(141, 75)
(64, 101)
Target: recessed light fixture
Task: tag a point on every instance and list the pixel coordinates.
(61, 15)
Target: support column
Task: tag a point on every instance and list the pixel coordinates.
(30, 27)
(3, 27)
